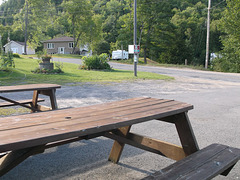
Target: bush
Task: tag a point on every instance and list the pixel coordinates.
(95, 62)
(225, 65)
(16, 55)
(47, 71)
(7, 60)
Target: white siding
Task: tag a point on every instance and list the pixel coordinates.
(17, 48)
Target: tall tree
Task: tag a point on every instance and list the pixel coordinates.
(191, 28)
(230, 25)
(41, 15)
(79, 13)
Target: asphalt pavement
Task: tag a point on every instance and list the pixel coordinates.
(215, 119)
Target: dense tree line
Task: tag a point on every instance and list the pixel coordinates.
(168, 31)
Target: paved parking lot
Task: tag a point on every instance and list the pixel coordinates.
(215, 119)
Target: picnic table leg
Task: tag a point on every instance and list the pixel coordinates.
(35, 100)
(13, 158)
(53, 100)
(52, 95)
(117, 147)
(186, 134)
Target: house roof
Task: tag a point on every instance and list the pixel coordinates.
(21, 43)
(18, 42)
(61, 39)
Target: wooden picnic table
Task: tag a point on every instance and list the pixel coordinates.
(44, 89)
(29, 134)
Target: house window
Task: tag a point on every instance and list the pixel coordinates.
(50, 45)
(70, 45)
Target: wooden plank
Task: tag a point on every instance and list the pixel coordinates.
(76, 113)
(185, 132)
(152, 145)
(81, 111)
(12, 159)
(117, 117)
(28, 87)
(27, 101)
(53, 99)
(43, 134)
(59, 116)
(117, 147)
(10, 123)
(17, 103)
(52, 96)
(218, 164)
(202, 165)
(35, 100)
(169, 150)
(43, 108)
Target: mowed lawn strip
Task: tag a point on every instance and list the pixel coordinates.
(22, 74)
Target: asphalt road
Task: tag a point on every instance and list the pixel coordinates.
(215, 119)
(175, 72)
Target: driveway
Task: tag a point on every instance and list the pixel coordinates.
(215, 119)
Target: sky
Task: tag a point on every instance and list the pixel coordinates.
(1, 1)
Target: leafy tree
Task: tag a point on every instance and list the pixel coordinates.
(230, 25)
(79, 14)
(191, 29)
(40, 16)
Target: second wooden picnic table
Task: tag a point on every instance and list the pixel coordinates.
(44, 89)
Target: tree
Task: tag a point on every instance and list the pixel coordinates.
(230, 25)
(41, 16)
(191, 28)
(79, 13)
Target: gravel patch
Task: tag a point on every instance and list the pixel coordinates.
(215, 119)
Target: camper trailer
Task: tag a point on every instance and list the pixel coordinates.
(119, 54)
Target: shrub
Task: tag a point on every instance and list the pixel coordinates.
(47, 71)
(225, 65)
(95, 62)
(16, 55)
(7, 60)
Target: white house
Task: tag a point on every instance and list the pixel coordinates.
(17, 47)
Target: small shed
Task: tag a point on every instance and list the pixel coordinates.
(17, 47)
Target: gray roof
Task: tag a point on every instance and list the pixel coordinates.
(60, 39)
(18, 42)
(21, 43)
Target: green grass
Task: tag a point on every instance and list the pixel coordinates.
(74, 56)
(22, 74)
(12, 111)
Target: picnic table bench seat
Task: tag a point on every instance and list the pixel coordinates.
(204, 164)
(26, 101)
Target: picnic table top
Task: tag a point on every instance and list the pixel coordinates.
(23, 131)
(28, 87)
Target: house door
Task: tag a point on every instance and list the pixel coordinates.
(14, 50)
(61, 50)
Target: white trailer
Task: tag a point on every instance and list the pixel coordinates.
(119, 54)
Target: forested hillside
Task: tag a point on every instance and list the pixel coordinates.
(168, 31)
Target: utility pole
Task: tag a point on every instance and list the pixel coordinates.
(122, 50)
(1, 48)
(26, 24)
(135, 38)
(208, 34)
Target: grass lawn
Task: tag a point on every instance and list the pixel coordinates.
(74, 56)
(22, 74)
